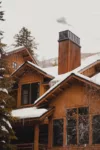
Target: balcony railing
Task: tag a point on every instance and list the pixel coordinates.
(30, 146)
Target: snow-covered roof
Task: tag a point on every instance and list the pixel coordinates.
(65, 76)
(52, 70)
(96, 78)
(36, 67)
(86, 62)
(31, 112)
(13, 48)
(59, 78)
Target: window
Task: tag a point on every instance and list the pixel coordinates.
(30, 92)
(14, 65)
(96, 129)
(77, 126)
(25, 93)
(83, 125)
(71, 126)
(58, 132)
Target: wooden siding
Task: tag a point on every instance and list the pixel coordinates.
(69, 56)
(17, 58)
(75, 96)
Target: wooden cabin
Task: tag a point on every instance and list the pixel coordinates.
(62, 112)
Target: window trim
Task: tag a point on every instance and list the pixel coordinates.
(93, 115)
(77, 122)
(14, 65)
(29, 100)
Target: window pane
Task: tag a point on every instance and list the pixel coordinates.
(34, 91)
(25, 93)
(25, 99)
(96, 129)
(71, 126)
(83, 125)
(58, 132)
(83, 129)
(83, 111)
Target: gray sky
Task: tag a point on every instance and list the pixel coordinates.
(40, 16)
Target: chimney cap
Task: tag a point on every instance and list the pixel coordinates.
(68, 35)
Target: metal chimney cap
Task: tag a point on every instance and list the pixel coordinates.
(68, 35)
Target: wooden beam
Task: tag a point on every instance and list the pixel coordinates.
(61, 89)
(46, 100)
(36, 137)
(50, 128)
(53, 95)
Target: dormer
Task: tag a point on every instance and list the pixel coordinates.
(31, 82)
(92, 69)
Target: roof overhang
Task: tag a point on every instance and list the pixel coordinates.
(25, 53)
(34, 120)
(89, 66)
(59, 87)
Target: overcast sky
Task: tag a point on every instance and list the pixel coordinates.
(40, 17)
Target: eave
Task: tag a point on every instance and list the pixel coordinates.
(50, 94)
(35, 120)
(24, 52)
(89, 66)
(20, 71)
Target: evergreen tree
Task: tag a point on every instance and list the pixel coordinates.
(6, 101)
(24, 38)
(1, 18)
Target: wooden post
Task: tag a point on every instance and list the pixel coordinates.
(19, 96)
(36, 137)
(50, 128)
(64, 133)
(90, 130)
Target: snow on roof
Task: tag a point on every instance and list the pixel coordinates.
(58, 79)
(52, 70)
(96, 78)
(38, 67)
(84, 64)
(12, 48)
(34, 65)
(63, 77)
(88, 61)
(31, 112)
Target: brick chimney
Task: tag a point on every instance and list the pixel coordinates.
(69, 52)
